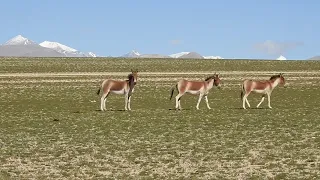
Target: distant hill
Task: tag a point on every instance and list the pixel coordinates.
(177, 55)
(184, 55)
(154, 56)
(191, 55)
(314, 58)
(132, 54)
(31, 50)
(135, 54)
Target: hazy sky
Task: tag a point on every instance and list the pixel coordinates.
(227, 28)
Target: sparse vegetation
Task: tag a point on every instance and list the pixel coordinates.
(51, 126)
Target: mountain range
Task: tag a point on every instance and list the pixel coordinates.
(181, 55)
(24, 47)
(20, 46)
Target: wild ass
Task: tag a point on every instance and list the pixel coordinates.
(125, 87)
(195, 87)
(263, 87)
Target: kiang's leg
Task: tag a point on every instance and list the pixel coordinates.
(199, 100)
(262, 99)
(129, 103)
(103, 101)
(245, 100)
(206, 99)
(126, 102)
(269, 99)
(178, 98)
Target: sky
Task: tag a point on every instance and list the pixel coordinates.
(226, 28)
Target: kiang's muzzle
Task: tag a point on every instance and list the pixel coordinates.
(284, 85)
(219, 86)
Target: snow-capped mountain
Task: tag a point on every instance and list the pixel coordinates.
(281, 58)
(21, 46)
(57, 46)
(19, 40)
(136, 54)
(68, 51)
(185, 55)
(177, 55)
(132, 53)
(92, 54)
(192, 54)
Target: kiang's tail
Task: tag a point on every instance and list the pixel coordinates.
(242, 91)
(172, 90)
(98, 92)
(101, 87)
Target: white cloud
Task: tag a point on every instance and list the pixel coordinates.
(175, 42)
(276, 48)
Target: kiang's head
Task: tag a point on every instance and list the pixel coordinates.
(282, 80)
(216, 79)
(133, 75)
(280, 77)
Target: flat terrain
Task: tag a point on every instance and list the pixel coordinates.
(51, 126)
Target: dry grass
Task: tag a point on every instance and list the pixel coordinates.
(51, 127)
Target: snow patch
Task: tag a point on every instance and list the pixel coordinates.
(57, 46)
(91, 54)
(281, 58)
(66, 50)
(212, 57)
(177, 55)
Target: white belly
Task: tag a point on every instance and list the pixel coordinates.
(259, 91)
(118, 92)
(193, 92)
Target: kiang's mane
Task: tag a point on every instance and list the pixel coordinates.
(131, 82)
(274, 77)
(130, 77)
(208, 78)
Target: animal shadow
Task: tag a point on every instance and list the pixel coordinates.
(99, 110)
(174, 109)
(249, 108)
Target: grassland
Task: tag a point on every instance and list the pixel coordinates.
(51, 126)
